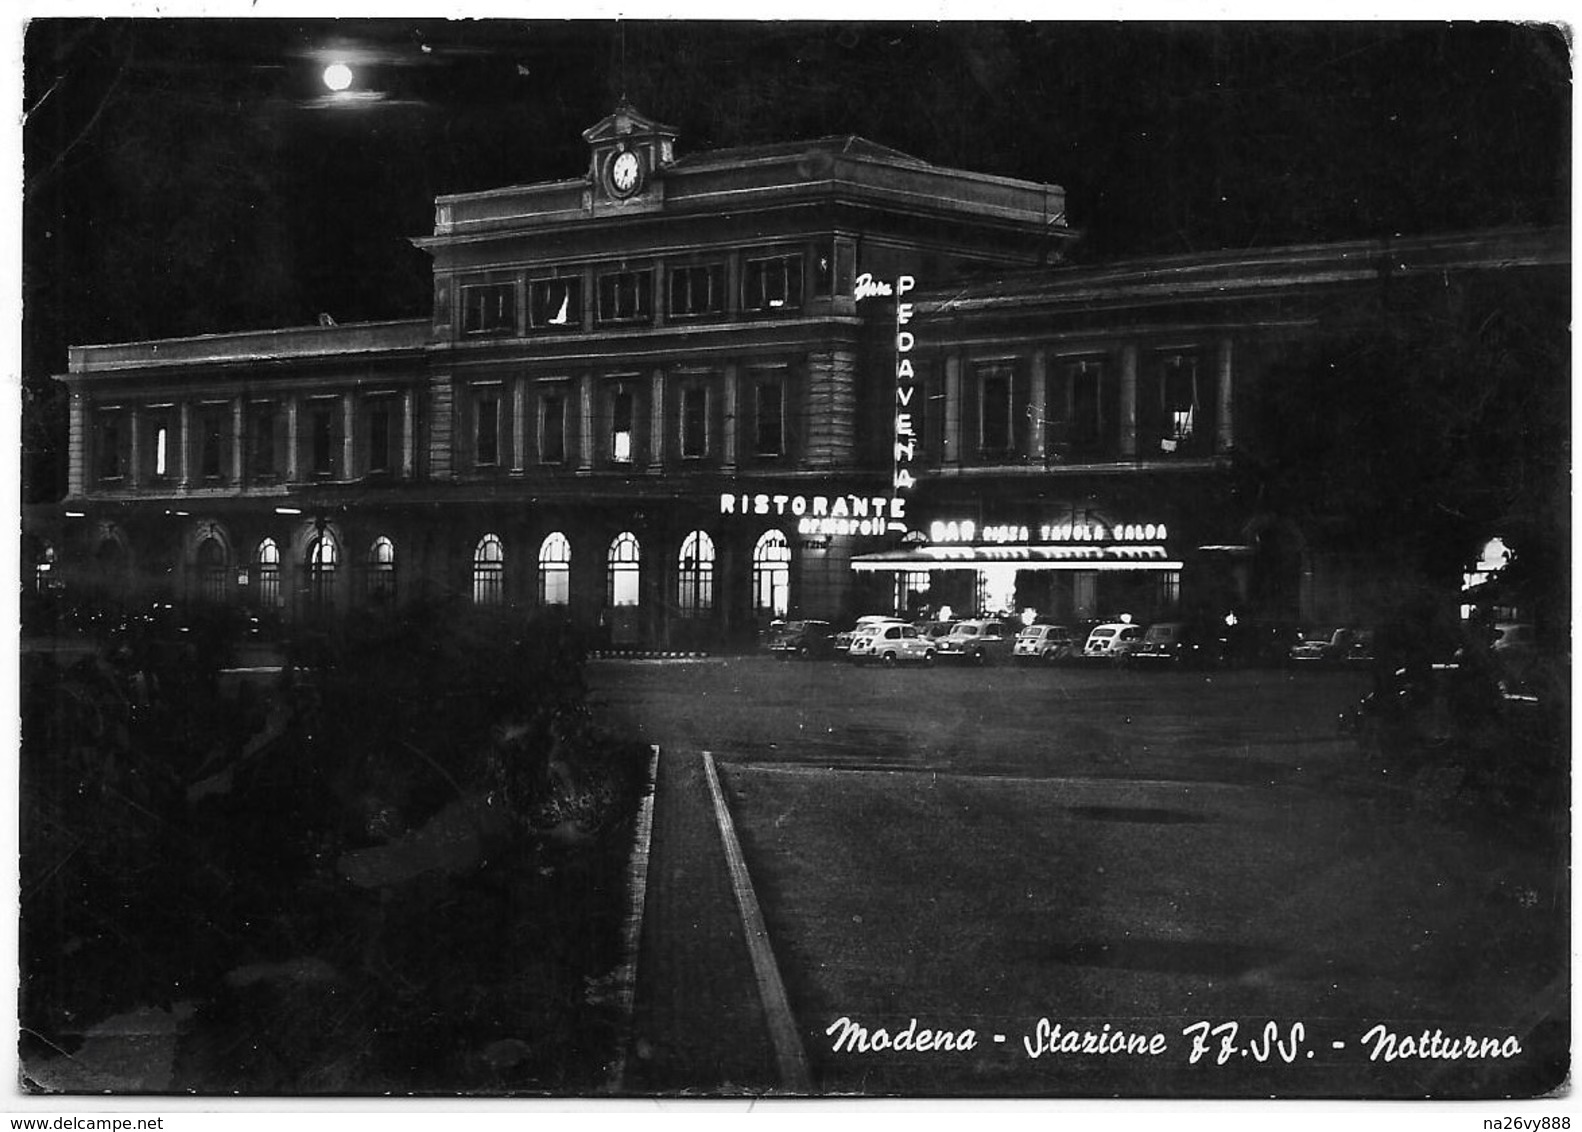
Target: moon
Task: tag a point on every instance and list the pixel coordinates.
(337, 76)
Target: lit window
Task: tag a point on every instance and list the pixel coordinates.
(323, 557)
(556, 303)
(267, 562)
(1180, 392)
(772, 284)
(488, 572)
(624, 566)
(772, 575)
(695, 576)
(161, 451)
(554, 570)
(381, 571)
(621, 428)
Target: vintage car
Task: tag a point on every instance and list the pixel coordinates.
(978, 641)
(891, 644)
(1047, 643)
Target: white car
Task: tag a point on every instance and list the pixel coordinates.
(1114, 641)
(1047, 643)
(891, 644)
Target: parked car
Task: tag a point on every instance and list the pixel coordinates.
(1183, 644)
(1048, 643)
(1322, 646)
(891, 644)
(978, 641)
(1114, 640)
(934, 630)
(843, 639)
(803, 639)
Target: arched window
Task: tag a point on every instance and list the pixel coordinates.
(695, 577)
(267, 561)
(211, 569)
(381, 572)
(624, 567)
(488, 572)
(554, 570)
(323, 556)
(772, 575)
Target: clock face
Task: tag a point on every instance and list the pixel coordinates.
(623, 172)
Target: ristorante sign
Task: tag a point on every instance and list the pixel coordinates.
(823, 514)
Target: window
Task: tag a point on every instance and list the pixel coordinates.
(321, 438)
(381, 580)
(994, 435)
(624, 569)
(624, 296)
(323, 557)
(697, 290)
(486, 427)
(212, 570)
(211, 424)
(554, 570)
(772, 575)
(695, 576)
(107, 448)
(489, 308)
(161, 450)
(621, 427)
(552, 427)
(1180, 400)
(1076, 409)
(769, 416)
(1168, 596)
(694, 422)
(379, 436)
(261, 441)
(267, 563)
(488, 572)
(911, 591)
(772, 284)
(555, 303)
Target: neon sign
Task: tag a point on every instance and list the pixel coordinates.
(942, 532)
(905, 433)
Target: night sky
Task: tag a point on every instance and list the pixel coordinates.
(194, 176)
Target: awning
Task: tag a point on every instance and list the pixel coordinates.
(922, 558)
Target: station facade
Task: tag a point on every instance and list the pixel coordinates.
(684, 394)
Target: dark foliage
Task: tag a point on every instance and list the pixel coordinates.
(189, 839)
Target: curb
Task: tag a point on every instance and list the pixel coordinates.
(790, 1057)
(625, 976)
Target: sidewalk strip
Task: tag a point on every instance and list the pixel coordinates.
(789, 1054)
(632, 929)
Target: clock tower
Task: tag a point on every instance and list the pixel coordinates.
(627, 154)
